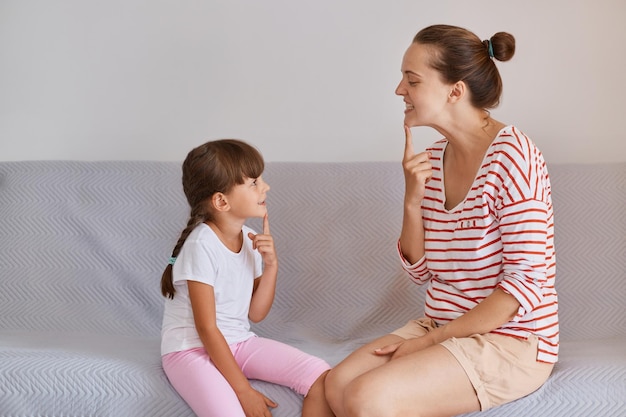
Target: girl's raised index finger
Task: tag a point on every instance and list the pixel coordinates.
(266, 225)
(408, 145)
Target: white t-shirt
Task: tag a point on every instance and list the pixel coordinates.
(204, 258)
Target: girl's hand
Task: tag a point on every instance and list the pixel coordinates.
(255, 404)
(264, 243)
(417, 170)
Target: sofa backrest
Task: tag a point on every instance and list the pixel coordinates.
(590, 239)
(83, 245)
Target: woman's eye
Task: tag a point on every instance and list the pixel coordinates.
(254, 182)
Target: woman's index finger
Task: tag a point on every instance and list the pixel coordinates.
(408, 145)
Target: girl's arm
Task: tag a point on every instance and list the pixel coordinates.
(417, 171)
(265, 285)
(202, 299)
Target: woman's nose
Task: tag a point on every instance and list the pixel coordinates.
(400, 89)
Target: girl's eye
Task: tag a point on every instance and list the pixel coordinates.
(254, 182)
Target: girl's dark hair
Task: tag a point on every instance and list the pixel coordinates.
(459, 55)
(216, 166)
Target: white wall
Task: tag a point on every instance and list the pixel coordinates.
(302, 80)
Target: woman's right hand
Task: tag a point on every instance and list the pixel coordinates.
(255, 404)
(417, 171)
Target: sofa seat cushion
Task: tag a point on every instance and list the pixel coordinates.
(89, 374)
(80, 374)
(85, 374)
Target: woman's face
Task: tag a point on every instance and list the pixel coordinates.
(425, 94)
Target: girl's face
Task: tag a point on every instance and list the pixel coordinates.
(248, 199)
(425, 94)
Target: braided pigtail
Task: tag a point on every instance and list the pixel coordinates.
(167, 283)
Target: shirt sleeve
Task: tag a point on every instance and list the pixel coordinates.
(523, 228)
(523, 208)
(418, 272)
(196, 262)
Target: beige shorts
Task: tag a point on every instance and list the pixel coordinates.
(501, 368)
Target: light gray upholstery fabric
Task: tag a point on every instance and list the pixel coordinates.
(83, 245)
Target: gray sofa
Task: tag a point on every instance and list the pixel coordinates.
(83, 245)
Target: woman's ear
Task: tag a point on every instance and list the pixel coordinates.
(457, 92)
(219, 202)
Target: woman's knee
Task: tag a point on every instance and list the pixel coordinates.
(362, 399)
(334, 386)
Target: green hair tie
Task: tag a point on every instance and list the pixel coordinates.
(171, 260)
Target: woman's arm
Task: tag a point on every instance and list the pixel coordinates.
(417, 172)
(202, 298)
(491, 313)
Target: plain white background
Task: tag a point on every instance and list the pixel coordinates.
(301, 80)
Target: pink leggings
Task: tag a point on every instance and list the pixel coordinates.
(207, 392)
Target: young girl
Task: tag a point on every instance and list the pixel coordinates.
(221, 274)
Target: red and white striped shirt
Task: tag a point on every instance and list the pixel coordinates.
(500, 236)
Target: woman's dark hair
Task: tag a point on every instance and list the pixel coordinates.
(459, 55)
(216, 166)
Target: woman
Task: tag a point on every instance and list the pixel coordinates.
(478, 230)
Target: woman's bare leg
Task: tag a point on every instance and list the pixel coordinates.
(428, 383)
(315, 404)
(357, 363)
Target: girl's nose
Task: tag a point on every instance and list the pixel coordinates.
(265, 185)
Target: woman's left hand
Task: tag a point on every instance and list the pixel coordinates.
(405, 347)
